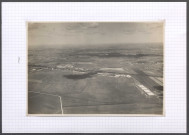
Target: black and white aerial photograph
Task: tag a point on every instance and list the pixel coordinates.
(95, 68)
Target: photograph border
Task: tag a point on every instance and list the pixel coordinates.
(187, 53)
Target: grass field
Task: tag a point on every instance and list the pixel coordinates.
(102, 80)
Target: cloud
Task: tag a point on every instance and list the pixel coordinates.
(93, 25)
(32, 26)
(93, 33)
(156, 26)
(80, 26)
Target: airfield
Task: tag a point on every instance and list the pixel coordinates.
(121, 80)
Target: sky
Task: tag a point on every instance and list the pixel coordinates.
(93, 33)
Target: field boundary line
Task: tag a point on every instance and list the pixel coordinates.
(51, 95)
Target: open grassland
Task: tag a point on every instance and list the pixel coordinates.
(101, 80)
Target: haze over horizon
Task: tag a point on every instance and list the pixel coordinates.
(93, 33)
